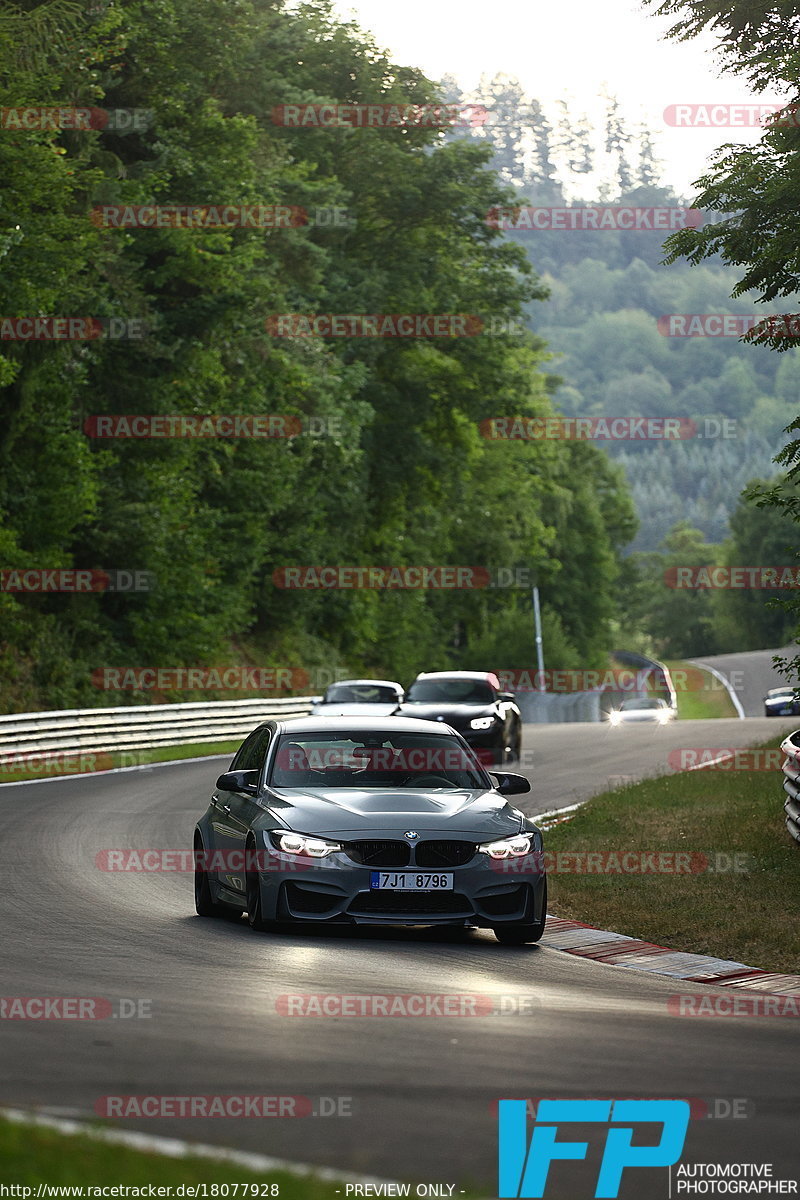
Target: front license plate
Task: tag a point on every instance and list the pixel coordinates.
(410, 881)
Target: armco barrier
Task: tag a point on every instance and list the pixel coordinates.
(140, 727)
(543, 708)
(791, 783)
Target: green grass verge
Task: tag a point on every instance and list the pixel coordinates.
(31, 1154)
(694, 704)
(751, 915)
(83, 762)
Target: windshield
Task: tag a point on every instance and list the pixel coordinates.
(360, 693)
(373, 758)
(642, 703)
(450, 691)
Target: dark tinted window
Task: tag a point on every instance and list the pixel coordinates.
(360, 693)
(252, 754)
(450, 691)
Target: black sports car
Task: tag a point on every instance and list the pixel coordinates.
(472, 703)
(369, 822)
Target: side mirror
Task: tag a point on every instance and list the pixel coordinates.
(506, 696)
(509, 784)
(239, 781)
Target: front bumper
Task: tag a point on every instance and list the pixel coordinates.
(488, 744)
(485, 893)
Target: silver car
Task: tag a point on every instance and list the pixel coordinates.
(361, 821)
(360, 698)
(636, 709)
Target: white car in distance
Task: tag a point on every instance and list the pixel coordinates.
(638, 709)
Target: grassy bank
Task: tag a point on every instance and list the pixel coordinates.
(697, 703)
(32, 1154)
(79, 763)
(750, 913)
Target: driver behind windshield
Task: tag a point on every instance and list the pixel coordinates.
(358, 760)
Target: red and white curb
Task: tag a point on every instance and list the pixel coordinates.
(618, 950)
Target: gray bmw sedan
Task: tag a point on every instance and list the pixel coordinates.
(367, 821)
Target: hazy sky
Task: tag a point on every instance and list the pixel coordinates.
(568, 51)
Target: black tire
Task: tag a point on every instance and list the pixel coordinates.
(522, 935)
(516, 749)
(255, 917)
(204, 902)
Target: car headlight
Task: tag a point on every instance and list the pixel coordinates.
(513, 847)
(613, 717)
(482, 723)
(664, 716)
(300, 843)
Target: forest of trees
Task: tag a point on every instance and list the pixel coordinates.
(406, 479)
(607, 291)
(400, 474)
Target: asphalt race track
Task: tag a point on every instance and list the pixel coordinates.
(751, 674)
(421, 1088)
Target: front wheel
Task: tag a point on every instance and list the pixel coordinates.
(255, 916)
(522, 935)
(204, 902)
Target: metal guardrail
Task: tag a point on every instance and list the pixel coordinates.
(791, 783)
(140, 727)
(548, 707)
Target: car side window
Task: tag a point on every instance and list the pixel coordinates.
(252, 754)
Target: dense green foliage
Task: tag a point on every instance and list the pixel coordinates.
(676, 622)
(405, 479)
(608, 290)
(753, 192)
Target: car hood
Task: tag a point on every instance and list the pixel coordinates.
(478, 813)
(355, 710)
(457, 715)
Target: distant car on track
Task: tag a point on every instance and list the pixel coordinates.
(380, 822)
(781, 702)
(473, 704)
(360, 698)
(638, 709)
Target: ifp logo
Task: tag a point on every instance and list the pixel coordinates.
(523, 1169)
